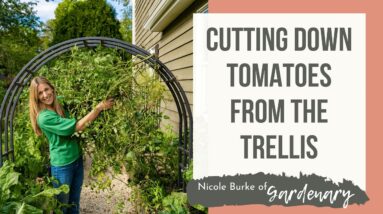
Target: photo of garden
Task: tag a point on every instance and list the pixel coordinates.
(125, 80)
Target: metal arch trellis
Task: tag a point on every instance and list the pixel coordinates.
(22, 79)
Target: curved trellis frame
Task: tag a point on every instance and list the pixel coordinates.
(22, 79)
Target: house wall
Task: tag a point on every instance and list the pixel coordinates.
(175, 48)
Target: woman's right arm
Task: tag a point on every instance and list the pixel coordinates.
(91, 116)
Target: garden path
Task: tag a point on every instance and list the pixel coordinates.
(115, 200)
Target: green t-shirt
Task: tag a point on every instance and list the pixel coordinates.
(62, 147)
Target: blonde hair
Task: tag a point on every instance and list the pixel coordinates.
(35, 106)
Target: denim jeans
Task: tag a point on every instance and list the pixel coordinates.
(72, 175)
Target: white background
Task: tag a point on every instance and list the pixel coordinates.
(218, 150)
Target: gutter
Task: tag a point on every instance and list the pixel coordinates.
(166, 12)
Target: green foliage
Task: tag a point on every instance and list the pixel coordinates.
(19, 194)
(153, 169)
(198, 208)
(15, 14)
(3, 86)
(84, 78)
(188, 173)
(175, 203)
(80, 18)
(47, 34)
(19, 27)
(31, 151)
(126, 26)
(127, 137)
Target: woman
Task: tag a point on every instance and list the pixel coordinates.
(48, 117)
